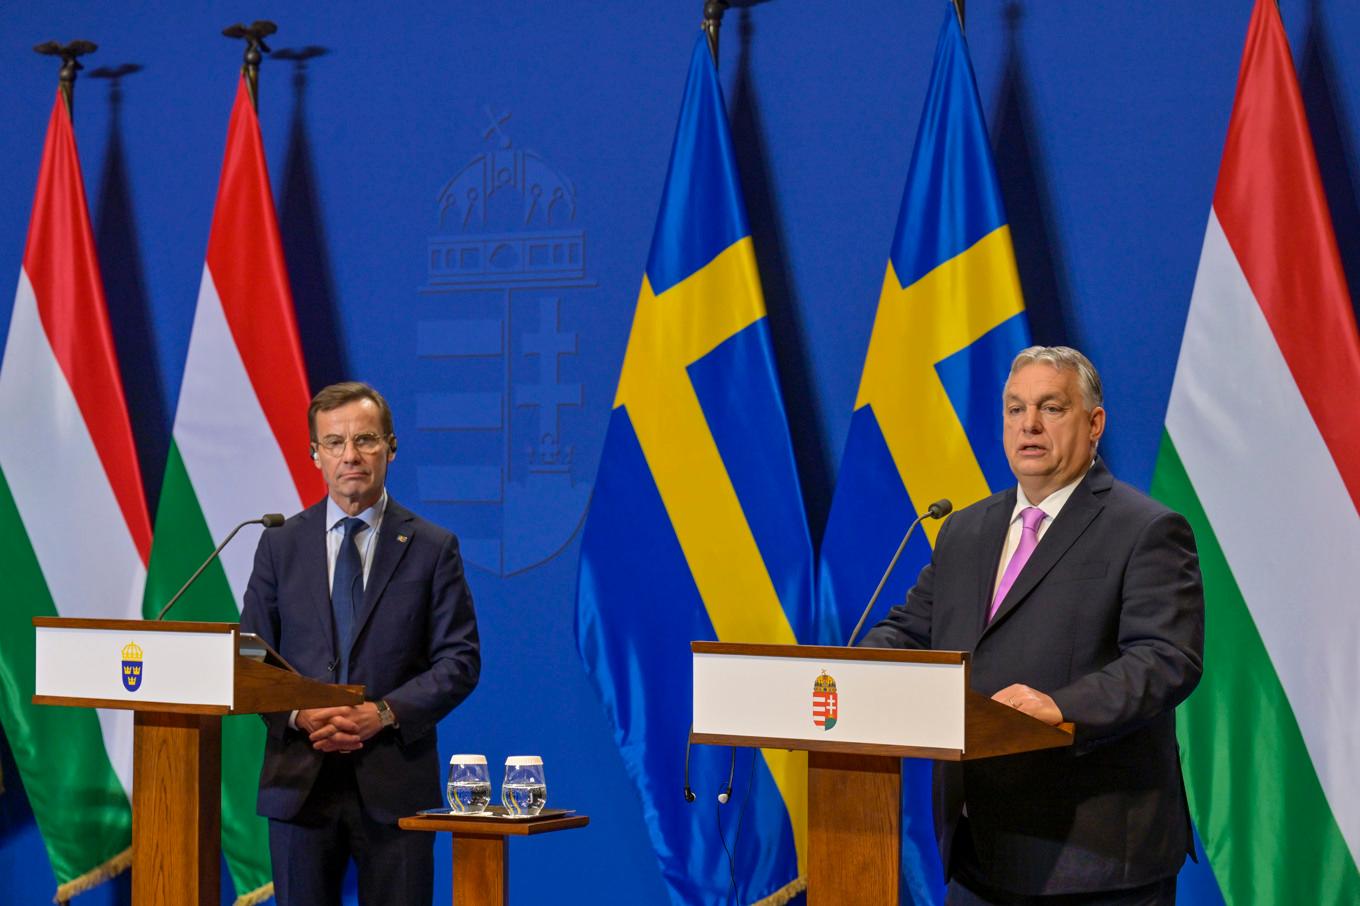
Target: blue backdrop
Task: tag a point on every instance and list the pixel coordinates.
(386, 130)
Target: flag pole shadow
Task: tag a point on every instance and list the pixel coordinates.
(801, 403)
(1324, 101)
(1024, 186)
(129, 305)
(303, 231)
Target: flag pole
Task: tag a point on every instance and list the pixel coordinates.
(254, 35)
(958, 8)
(713, 13)
(70, 65)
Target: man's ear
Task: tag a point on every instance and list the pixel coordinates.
(1097, 423)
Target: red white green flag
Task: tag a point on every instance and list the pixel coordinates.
(1262, 454)
(74, 530)
(239, 450)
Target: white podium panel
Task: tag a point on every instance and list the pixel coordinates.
(826, 695)
(138, 665)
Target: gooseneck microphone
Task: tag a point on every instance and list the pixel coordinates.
(937, 510)
(268, 520)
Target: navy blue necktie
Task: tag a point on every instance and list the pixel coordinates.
(347, 590)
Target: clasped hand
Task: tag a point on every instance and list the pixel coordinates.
(342, 729)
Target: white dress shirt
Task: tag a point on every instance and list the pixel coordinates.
(1051, 505)
(335, 536)
(364, 538)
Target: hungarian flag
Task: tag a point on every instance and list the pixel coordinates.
(1262, 454)
(74, 530)
(239, 450)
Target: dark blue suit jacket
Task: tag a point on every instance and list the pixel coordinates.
(415, 644)
(1107, 617)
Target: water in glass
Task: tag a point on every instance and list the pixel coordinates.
(469, 797)
(469, 784)
(524, 791)
(523, 798)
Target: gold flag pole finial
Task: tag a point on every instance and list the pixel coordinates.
(713, 14)
(70, 64)
(254, 35)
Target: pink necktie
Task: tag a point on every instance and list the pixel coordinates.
(1030, 518)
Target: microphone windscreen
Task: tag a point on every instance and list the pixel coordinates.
(940, 509)
(272, 520)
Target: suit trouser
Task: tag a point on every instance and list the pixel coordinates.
(967, 889)
(1158, 893)
(312, 851)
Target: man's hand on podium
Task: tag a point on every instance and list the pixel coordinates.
(342, 729)
(1030, 701)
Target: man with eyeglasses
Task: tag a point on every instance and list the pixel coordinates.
(358, 589)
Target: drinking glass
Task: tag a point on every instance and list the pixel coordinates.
(524, 791)
(469, 786)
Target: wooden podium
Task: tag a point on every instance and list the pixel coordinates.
(856, 712)
(481, 849)
(179, 679)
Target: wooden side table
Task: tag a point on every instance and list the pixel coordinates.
(481, 852)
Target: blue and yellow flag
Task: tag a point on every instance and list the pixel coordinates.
(696, 529)
(927, 419)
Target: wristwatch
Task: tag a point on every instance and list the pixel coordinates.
(385, 714)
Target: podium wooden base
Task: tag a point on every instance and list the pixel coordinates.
(202, 671)
(888, 705)
(176, 809)
(854, 823)
(481, 850)
(481, 870)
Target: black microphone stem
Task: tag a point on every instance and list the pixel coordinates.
(937, 510)
(269, 519)
(873, 599)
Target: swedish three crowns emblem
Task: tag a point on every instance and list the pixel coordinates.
(825, 702)
(132, 667)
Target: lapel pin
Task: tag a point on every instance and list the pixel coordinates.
(403, 538)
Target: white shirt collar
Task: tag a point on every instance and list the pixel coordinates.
(370, 516)
(1052, 504)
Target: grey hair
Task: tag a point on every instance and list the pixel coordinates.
(1065, 357)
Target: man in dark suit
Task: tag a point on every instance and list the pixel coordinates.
(1080, 600)
(358, 589)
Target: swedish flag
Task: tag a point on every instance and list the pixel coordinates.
(696, 529)
(927, 419)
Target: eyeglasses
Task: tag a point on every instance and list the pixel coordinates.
(334, 445)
